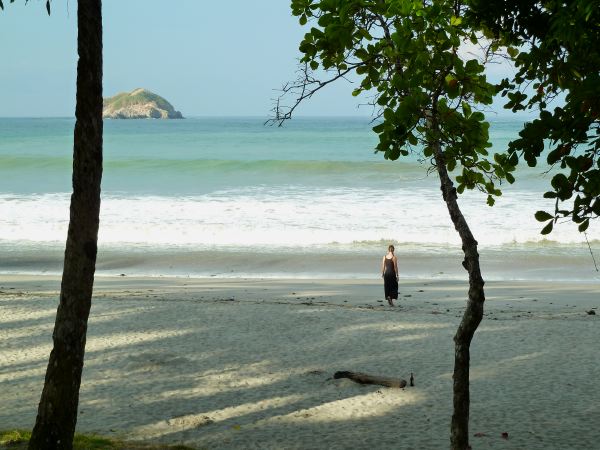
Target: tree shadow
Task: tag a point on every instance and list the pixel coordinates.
(200, 368)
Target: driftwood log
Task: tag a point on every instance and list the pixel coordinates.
(364, 378)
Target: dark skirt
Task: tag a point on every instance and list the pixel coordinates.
(390, 285)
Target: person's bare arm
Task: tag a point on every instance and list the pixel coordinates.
(396, 267)
(383, 266)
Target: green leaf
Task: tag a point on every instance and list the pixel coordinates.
(584, 225)
(542, 216)
(365, 34)
(548, 228)
(466, 109)
(472, 66)
(314, 65)
(455, 21)
(512, 52)
(478, 116)
(394, 153)
(379, 127)
(48, 6)
(452, 86)
(560, 182)
(303, 19)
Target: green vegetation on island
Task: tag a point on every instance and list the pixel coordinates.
(138, 104)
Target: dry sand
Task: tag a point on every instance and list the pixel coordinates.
(248, 364)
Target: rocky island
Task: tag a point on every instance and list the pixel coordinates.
(138, 104)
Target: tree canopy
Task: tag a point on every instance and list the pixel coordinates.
(407, 55)
(558, 74)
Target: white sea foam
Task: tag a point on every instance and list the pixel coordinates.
(230, 196)
(271, 217)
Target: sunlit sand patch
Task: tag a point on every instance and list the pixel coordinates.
(494, 328)
(391, 326)
(317, 294)
(33, 312)
(408, 338)
(114, 341)
(38, 354)
(374, 404)
(225, 382)
(30, 361)
(33, 372)
(190, 421)
(481, 371)
(97, 317)
(42, 330)
(249, 376)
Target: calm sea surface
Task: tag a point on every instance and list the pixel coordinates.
(232, 197)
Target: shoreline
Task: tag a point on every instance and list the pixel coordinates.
(552, 264)
(247, 363)
(358, 290)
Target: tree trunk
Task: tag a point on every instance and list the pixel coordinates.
(459, 430)
(57, 411)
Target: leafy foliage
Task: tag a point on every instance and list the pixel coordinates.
(560, 55)
(407, 55)
(12, 1)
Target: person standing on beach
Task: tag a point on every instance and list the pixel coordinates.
(389, 272)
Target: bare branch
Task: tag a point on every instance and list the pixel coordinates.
(304, 88)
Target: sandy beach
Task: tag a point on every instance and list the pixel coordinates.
(248, 363)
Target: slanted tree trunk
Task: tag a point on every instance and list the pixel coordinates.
(459, 429)
(57, 411)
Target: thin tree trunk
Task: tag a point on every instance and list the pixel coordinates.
(57, 411)
(459, 431)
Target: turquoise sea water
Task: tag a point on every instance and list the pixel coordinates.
(232, 197)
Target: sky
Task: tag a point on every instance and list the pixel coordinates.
(208, 58)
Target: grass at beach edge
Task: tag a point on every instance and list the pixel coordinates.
(18, 439)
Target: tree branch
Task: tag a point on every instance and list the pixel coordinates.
(304, 87)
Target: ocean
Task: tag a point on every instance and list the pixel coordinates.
(231, 197)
